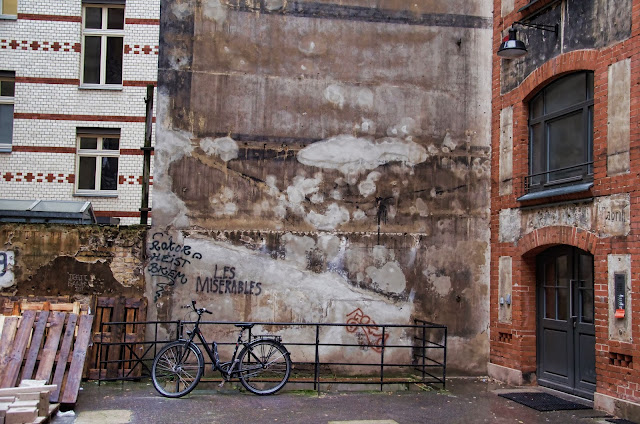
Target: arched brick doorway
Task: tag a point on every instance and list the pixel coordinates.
(558, 308)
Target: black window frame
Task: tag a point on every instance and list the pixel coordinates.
(582, 172)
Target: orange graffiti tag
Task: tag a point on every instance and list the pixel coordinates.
(373, 333)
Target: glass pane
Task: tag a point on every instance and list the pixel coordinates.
(115, 18)
(7, 88)
(586, 288)
(537, 158)
(550, 303)
(89, 143)
(590, 85)
(114, 60)
(92, 54)
(6, 124)
(93, 18)
(563, 304)
(567, 146)
(564, 275)
(536, 108)
(562, 262)
(87, 173)
(110, 143)
(565, 92)
(109, 175)
(9, 7)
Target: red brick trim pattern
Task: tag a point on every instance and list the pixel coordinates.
(39, 177)
(68, 150)
(6, 44)
(51, 18)
(93, 118)
(78, 19)
(118, 214)
(138, 21)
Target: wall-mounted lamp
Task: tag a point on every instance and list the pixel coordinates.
(512, 48)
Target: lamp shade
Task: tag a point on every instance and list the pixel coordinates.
(511, 47)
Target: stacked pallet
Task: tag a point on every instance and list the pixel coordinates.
(28, 403)
(45, 345)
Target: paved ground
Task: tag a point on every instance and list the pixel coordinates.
(464, 401)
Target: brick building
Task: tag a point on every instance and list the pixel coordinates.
(72, 107)
(565, 251)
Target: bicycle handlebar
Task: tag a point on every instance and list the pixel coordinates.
(201, 310)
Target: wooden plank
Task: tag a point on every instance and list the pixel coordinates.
(61, 365)
(114, 352)
(34, 348)
(50, 349)
(14, 359)
(13, 391)
(77, 363)
(8, 334)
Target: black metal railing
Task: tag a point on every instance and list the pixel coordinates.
(558, 177)
(377, 354)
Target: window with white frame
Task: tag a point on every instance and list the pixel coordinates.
(98, 151)
(8, 8)
(7, 96)
(102, 44)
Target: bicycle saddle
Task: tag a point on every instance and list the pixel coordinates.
(245, 326)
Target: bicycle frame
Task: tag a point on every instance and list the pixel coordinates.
(231, 371)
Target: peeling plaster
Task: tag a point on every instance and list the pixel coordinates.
(308, 296)
(169, 210)
(214, 10)
(367, 187)
(352, 156)
(297, 248)
(407, 127)
(441, 283)
(225, 147)
(389, 278)
(335, 94)
(335, 216)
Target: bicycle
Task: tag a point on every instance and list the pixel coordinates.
(263, 365)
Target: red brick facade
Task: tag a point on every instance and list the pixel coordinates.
(513, 345)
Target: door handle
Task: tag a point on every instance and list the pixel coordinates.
(574, 321)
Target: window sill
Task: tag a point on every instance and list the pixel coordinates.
(8, 17)
(95, 194)
(107, 87)
(560, 191)
(5, 148)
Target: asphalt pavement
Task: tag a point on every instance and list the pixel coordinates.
(465, 400)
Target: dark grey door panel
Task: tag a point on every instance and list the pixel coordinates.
(566, 332)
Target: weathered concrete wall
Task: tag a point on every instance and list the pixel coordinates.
(316, 158)
(77, 261)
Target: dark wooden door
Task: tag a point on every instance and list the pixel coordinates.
(566, 331)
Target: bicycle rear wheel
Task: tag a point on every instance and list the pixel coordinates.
(177, 369)
(264, 367)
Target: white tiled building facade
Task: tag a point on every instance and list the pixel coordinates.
(75, 74)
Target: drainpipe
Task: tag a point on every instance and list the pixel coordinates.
(147, 149)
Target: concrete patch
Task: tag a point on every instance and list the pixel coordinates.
(110, 416)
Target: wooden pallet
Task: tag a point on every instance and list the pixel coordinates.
(16, 305)
(45, 345)
(125, 355)
(28, 403)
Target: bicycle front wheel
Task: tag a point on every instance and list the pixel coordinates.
(177, 369)
(264, 367)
